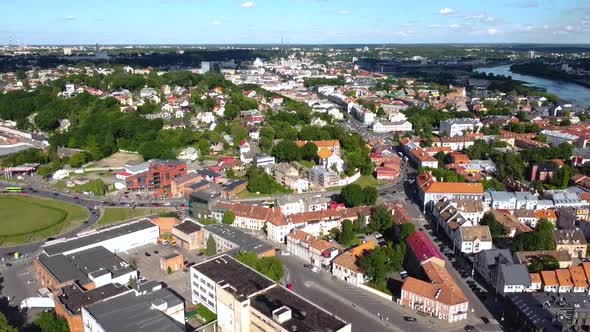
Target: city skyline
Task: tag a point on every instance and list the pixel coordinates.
(296, 22)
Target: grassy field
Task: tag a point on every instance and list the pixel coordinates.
(366, 181)
(27, 219)
(112, 216)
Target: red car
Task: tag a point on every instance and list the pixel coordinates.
(290, 287)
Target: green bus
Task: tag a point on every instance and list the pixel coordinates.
(14, 189)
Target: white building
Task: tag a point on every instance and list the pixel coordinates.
(458, 127)
(115, 239)
(389, 127)
(473, 239)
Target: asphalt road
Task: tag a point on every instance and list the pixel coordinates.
(365, 311)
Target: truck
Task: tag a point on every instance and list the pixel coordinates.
(37, 302)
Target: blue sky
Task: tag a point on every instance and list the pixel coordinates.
(296, 21)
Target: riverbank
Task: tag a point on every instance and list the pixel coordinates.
(570, 92)
(545, 73)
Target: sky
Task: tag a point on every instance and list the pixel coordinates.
(294, 21)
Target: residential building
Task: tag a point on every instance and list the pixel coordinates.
(513, 278)
(324, 177)
(431, 191)
(344, 267)
(550, 282)
(245, 300)
(152, 308)
(459, 127)
(473, 239)
(231, 240)
(420, 250)
(250, 217)
(390, 127)
(158, 177)
(572, 241)
(562, 257)
(439, 296)
(311, 249)
(488, 262)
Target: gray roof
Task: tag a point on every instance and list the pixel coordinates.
(304, 315)
(245, 241)
(515, 274)
(78, 266)
(524, 195)
(74, 298)
(494, 256)
(96, 238)
(503, 196)
(225, 270)
(188, 227)
(131, 312)
(534, 311)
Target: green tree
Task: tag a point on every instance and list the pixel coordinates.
(309, 151)
(375, 264)
(271, 267)
(405, 230)
(540, 239)
(286, 150)
(381, 219)
(50, 322)
(92, 147)
(495, 227)
(228, 217)
(4, 325)
(78, 159)
(353, 195)
(371, 195)
(347, 236)
(211, 246)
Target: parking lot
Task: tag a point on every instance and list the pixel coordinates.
(147, 261)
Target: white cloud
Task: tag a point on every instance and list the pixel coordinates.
(446, 11)
(70, 18)
(216, 22)
(344, 12)
(480, 17)
(492, 31)
(248, 4)
(455, 26)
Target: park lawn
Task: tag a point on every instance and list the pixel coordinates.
(306, 163)
(114, 215)
(367, 181)
(26, 219)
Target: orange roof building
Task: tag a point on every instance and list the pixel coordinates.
(345, 268)
(579, 278)
(431, 191)
(325, 148)
(441, 297)
(565, 280)
(550, 283)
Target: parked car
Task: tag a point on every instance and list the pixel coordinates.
(290, 287)
(409, 319)
(147, 254)
(469, 328)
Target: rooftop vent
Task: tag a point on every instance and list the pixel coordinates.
(282, 314)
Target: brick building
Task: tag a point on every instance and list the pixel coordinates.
(158, 177)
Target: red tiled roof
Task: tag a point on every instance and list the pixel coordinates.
(423, 247)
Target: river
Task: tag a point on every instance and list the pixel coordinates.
(570, 92)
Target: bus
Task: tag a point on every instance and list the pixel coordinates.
(14, 189)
